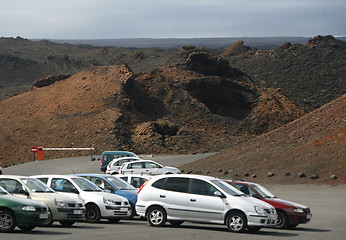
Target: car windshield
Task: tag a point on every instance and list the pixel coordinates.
(263, 191)
(228, 188)
(120, 184)
(86, 185)
(36, 185)
(3, 191)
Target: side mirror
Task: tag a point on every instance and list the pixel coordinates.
(23, 192)
(219, 194)
(75, 191)
(256, 196)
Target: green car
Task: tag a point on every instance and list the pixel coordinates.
(21, 212)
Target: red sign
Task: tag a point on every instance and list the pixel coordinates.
(33, 149)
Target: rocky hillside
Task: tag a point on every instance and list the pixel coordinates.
(311, 75)
(184, 108)
(311, 149)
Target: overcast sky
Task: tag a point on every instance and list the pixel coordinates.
(100, 19)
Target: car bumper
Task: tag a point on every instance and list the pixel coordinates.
(110, 211)
(32, 218)
(262, 220)
(298, 218)
(70, 214)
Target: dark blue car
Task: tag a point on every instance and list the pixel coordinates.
(114, 185)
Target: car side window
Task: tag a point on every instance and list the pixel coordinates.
(177, 184)
(159, 183)
(135, 165)
(44, 180)
(151, 165)
(201, 187)
(11, 185)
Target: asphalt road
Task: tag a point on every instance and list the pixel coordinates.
(327, 205)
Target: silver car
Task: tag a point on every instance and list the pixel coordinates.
(196, 198)
(114, 166)
(147, 167)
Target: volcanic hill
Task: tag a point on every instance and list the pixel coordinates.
(201, 105)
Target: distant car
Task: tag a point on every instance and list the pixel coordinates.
(108, 156)
(147, 167)
(115, 185)
(62, 208)
(98, 204)
(136, 180)
(21, 212)
(290, 214)
(195, 198)
(114, 166)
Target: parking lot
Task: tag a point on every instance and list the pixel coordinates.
(326, 203)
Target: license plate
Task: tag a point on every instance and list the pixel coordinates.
(308, 216)
(124, 209)
(77, 212)
(43, 216)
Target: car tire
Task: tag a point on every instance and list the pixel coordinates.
(176, 223)
(291, 226)
(253, 229)
(26, 228)
(50, 220)
(282, 220)
(113, 220)
(7, 221)
(157, 216)
(66, 223)
(92, 213)
(133, 212)
(236, 222)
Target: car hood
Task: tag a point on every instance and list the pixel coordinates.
(284, 202)
(23, 201)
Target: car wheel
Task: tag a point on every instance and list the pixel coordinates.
(157, 216)
(133, 212)
(50, 219)
(92, 214)
(236, 222)
(26, 228)
(114, 220)
(66, 223)
(291, 226)
(253, 229)
(176, 222)
(282, 220)
(7, 221)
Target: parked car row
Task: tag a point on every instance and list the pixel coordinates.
(66, 199)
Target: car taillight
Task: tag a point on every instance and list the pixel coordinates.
(143, 185)
(100, 161)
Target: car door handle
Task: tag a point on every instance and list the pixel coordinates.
(162, 196)
(193, 200)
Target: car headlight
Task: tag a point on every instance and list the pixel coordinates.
(29, 208)
(259, 209)
(298, 210)
(108, 201)
(60, 203)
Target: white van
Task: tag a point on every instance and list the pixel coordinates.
(195, 198)
(98, 204)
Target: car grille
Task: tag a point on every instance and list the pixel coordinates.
(78, 205)
(270, 211)
(43, 209)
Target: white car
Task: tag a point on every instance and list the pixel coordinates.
(114, 166)
(147, 167)
(196, 198)
(98, 204)
(135, 180)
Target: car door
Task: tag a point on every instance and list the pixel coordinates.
(202, 202)
(135, 168)
(152, 168)
(173, 194)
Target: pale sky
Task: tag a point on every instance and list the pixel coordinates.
(101, 19)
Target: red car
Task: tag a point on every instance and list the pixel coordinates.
(290, 214)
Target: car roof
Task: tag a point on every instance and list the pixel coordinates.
(195, 176)
(134, 175)
(55, 176)
(123, 158)
(118, 152)
(14, 176)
